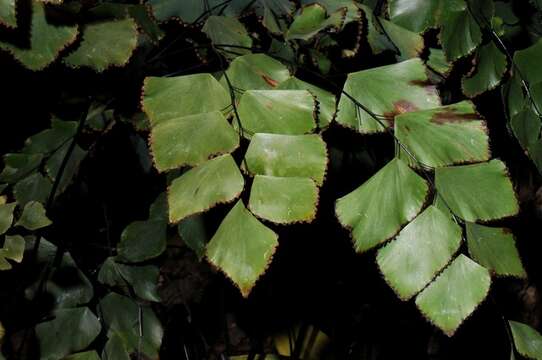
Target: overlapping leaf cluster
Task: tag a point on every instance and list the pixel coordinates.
(248, 140)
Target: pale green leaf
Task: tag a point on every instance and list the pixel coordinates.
(242, 248)
(142, 240)
(227, 30)
(312, 19)
(46, 41)
(443, 136)
(527, 340)
(495, 249)
(6, 216)
(166, 98)
(201, 188)
(290, 112)
(287, 156)
(419, 252)
(386, 91)
(377, 210)
(283, 200)
(191, 140)
(255, 72)
(105, 44)
(71, 330)
(33, 216)
(438, 63)
(13, 249)
(326, 100)
(125, 318)
(8, 13)
(477, 192)
(490, 68)
(455, 294)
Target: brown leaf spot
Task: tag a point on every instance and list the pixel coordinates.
(399, 107)
(506, 231)
(448, 116)
(269, 80)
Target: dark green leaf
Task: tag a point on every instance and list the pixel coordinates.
(71, 330)
(34, 216)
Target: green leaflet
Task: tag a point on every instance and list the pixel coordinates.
(105, 44)
(460, 34)
(35, 187)
(191, 140)
(33, 216)
(87, 355)
(526, 126)
(76, 292)
(470, 191)
(194, 234)
(376, 210)
(166, 98)
(17, 166)
(419, 252)
(125, 318)
(242, 248)
(46, 41)
(52, 166)
(227, 30)
(187, 11)
(49, 140)
(287, 156)
(490, 67)
(6, 216)
(455, 294)
(283, 200)
(443, 136)
(115, 348)
(143, 279)
(386, 91)
(290, 112)
(8, 13)
(527, 340)
(71, 330)
(385, 35)
(255, 72)
(415, 15)
(201, 188)
(325, 99)
(495, 249)
(142, 240)
(312, 19)
(527, 62)
(13, 249)
(437, 62)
